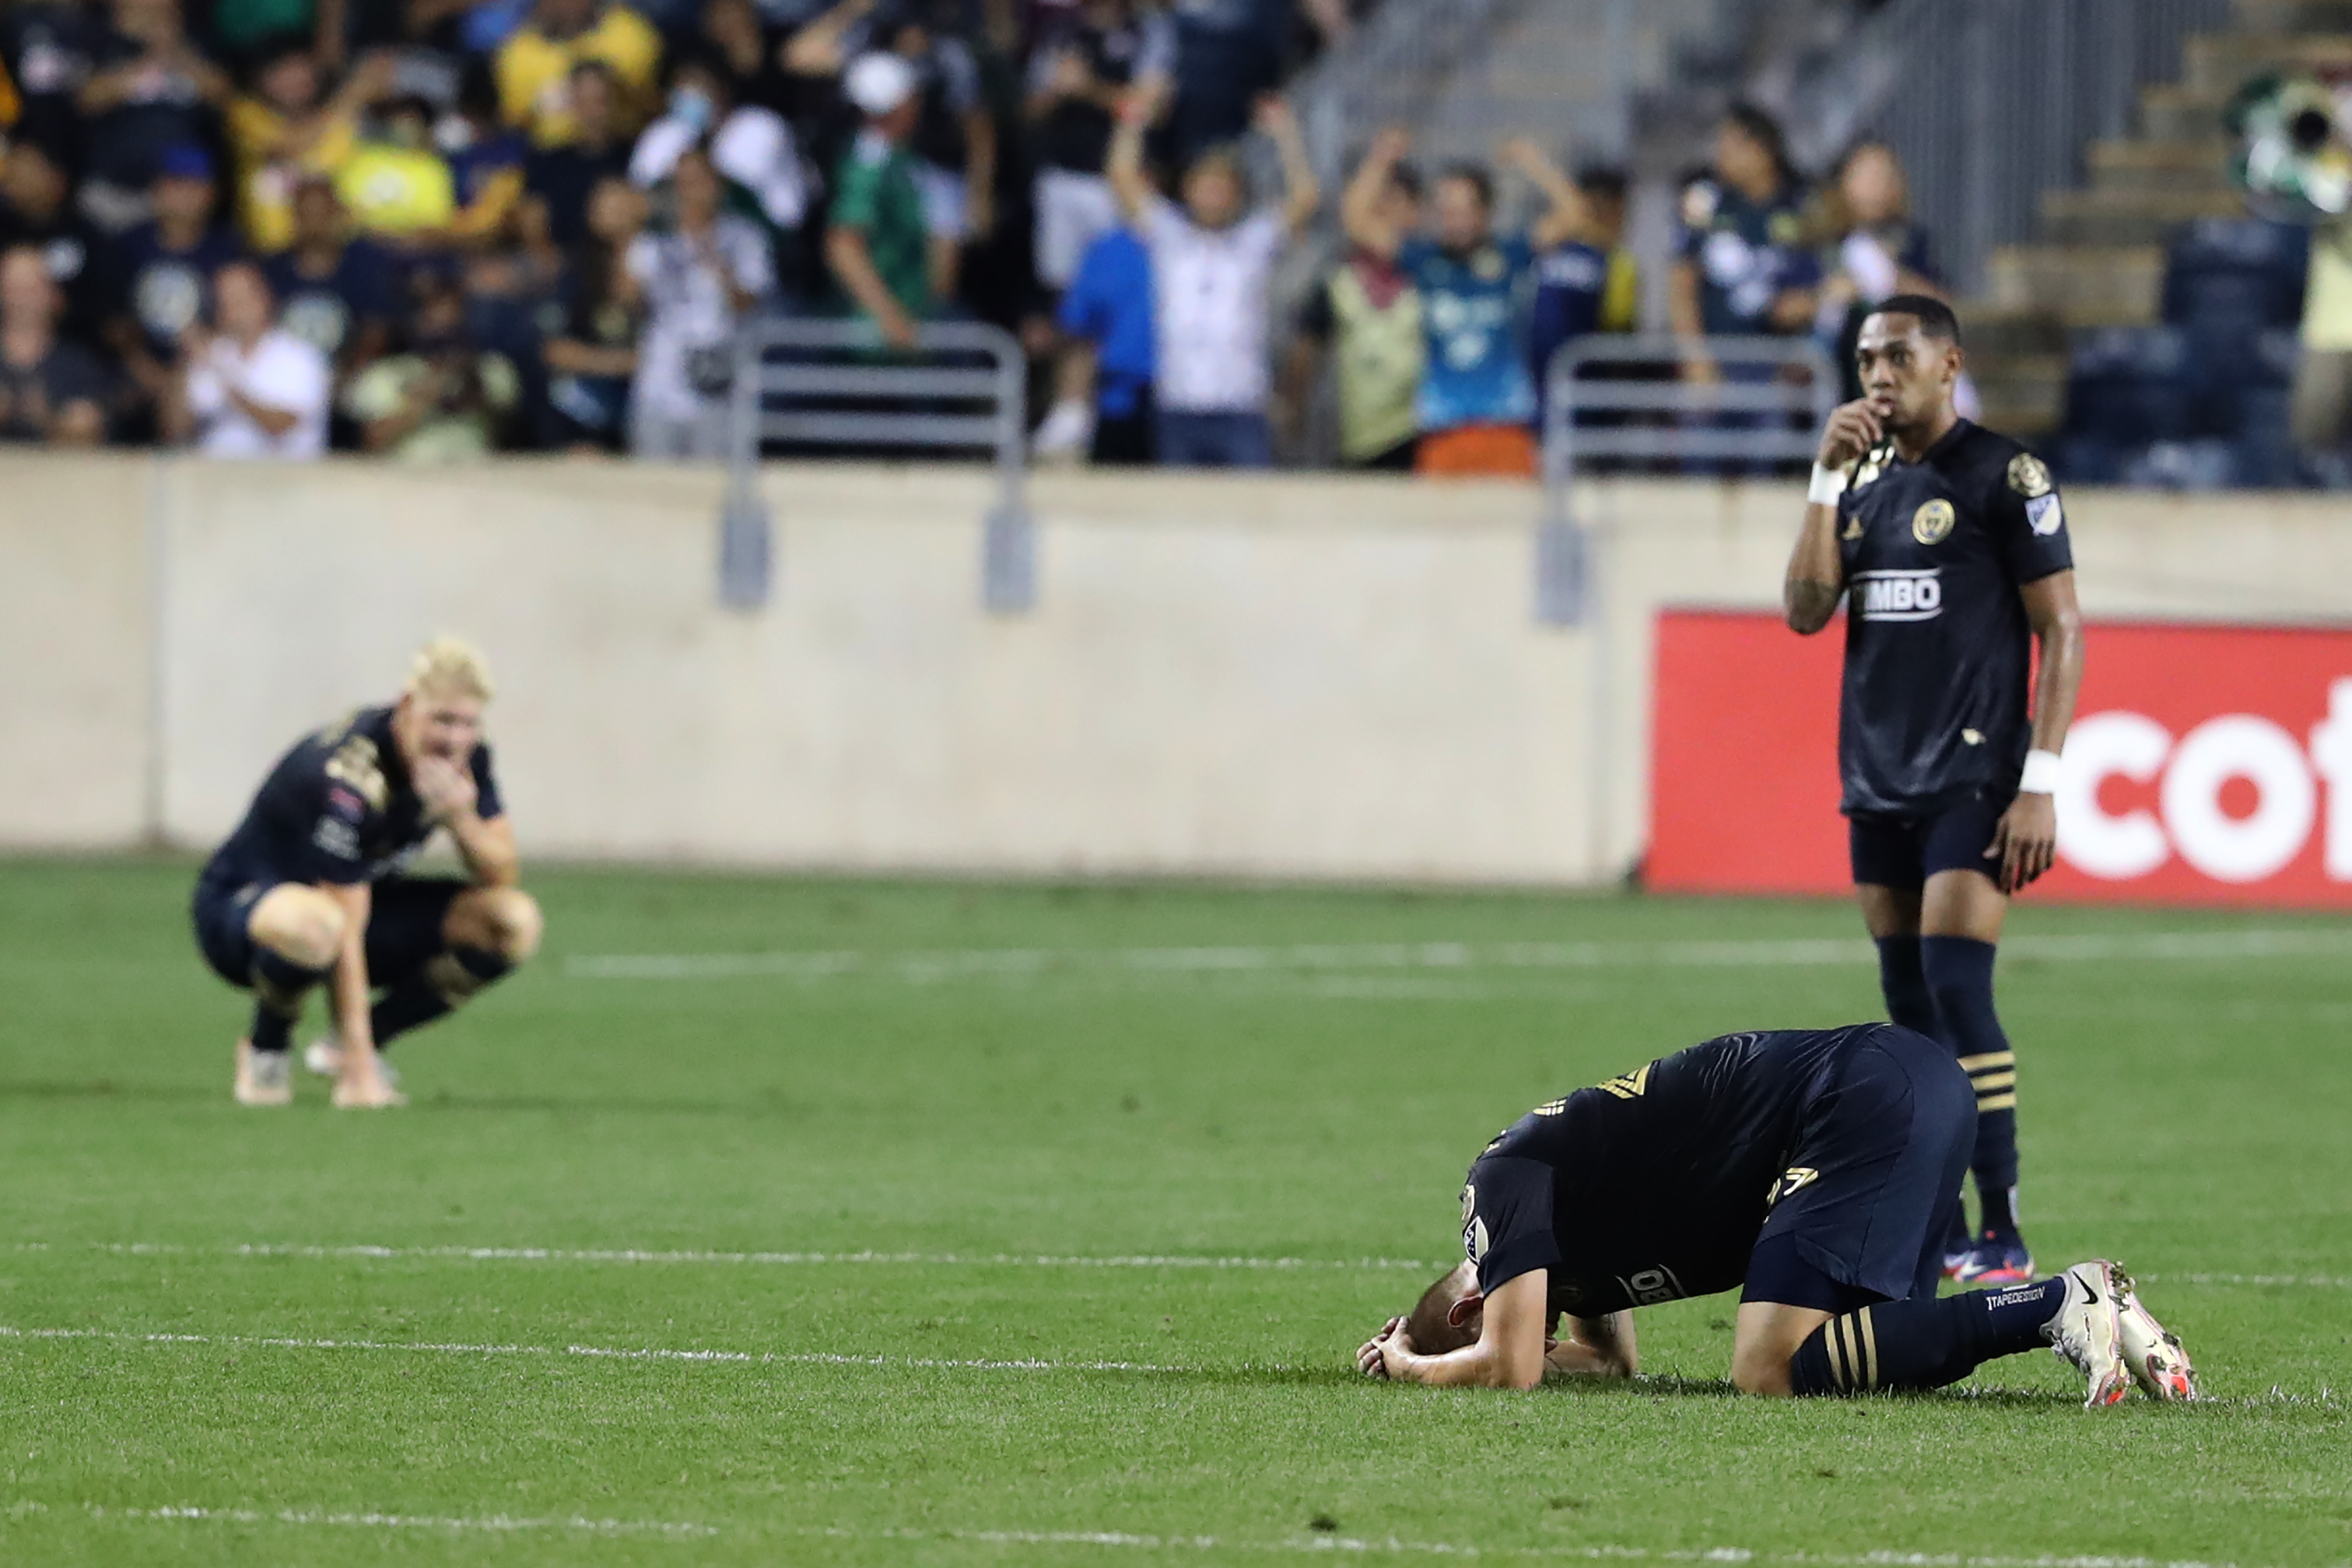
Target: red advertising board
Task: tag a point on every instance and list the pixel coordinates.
(2207, 765)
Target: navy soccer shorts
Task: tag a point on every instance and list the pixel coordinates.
(1860, 1214)
(1904, 851)
(405, 917)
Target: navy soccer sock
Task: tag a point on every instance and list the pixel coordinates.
(280, 988)
(1904, 983)
(1959, 976)
(1923, 1343)
(446, 982)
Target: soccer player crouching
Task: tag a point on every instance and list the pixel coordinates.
(1815, 1167)
(311, 888)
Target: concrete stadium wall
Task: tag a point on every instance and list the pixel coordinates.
(1280, 677)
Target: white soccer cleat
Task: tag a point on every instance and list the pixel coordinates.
(325, 1059)
(2151, 1350)
(262, 1077)
(2087, 1334)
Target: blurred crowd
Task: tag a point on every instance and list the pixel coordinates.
(1434, 331)
(430, 228)
(435, 228)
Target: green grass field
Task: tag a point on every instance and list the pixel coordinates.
(973, 1224)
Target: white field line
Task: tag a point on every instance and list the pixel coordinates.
(2305, 1281)
(495, 1523)
(1116, 1539)
(934, 966)
(1392, 1546)
(921, 1260)
(2275, 1398)
(599, 1352)
(747, 1259)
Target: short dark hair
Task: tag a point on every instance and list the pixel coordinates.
(1760, 127)
(1406, 178)
(1475, 176)
(1601, 181)
(1934, 318)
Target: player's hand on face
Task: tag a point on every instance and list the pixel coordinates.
(2024, 842)
(447, 789)
(1371, 1356)
(1853, 430)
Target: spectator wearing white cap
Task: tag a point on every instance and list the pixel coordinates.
(1211, 263)
(878, 242)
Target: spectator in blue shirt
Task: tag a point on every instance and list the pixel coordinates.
(1105, 314)
(1743, 267)
(334, 291)
(1589, 283)
(1477, 400)
(159, 284)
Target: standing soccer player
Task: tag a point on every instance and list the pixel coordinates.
(311, 888)
(1949, 543)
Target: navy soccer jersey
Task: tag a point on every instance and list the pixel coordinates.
(167, 290)
(337, 808)
(1938, 654)
(325, 310)
(1656, 1185)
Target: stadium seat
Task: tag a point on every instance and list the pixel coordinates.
(2130, 386)
(2236, 266)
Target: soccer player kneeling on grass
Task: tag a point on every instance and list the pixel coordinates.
(1814, 1166)
(309, 889)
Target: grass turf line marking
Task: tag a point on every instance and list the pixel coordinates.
(498, 1523)
(494, 1523)
(1392, 1545)
(596, 1352)
(360, 1252)
(763, 1259)
(2325, 1398)
(931, 967)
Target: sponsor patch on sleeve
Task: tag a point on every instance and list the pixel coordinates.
(2029, 475)
(346, 803)
(337, 837)
(2045, 515)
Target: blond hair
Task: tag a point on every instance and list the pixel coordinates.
(451, 667)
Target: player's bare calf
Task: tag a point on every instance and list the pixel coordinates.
(1647, 1189)
(311, 890)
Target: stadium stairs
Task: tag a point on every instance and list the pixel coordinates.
(2107, 336)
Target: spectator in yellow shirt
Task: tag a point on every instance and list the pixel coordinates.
(393, 184)
(534, 66)
(287, 128)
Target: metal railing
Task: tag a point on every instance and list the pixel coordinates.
(1766, 407)
(829, 387)
(1767, 410)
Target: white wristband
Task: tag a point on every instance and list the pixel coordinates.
(1827, 486)
(2040, 775)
